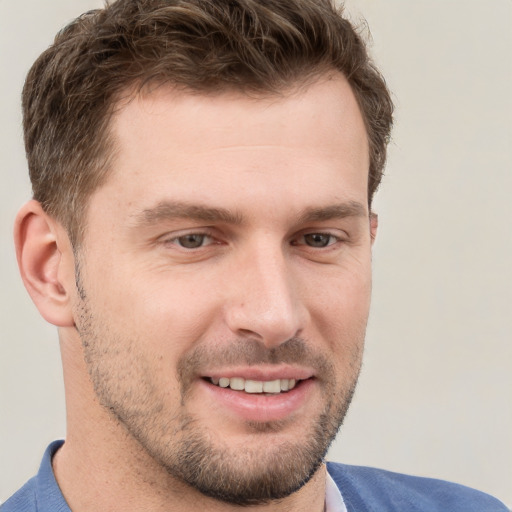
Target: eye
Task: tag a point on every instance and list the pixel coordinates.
(193, 240)
(318, 240)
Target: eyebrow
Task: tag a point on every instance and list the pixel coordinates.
(168, 210)
(335, 211)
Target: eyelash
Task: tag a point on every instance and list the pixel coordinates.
(179, 240)
(331, 239)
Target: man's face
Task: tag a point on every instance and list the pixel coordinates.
(230, 247)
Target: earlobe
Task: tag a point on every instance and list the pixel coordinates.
(45, 260)
(374, 224)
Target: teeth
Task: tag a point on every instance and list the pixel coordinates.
(237, 383)
(255, 386)
(271, 386)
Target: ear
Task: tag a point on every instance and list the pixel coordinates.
(46, 263)
(374, 224)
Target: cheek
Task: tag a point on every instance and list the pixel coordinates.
(339, 309)
(168, 313)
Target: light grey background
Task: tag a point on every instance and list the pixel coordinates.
(435, 396)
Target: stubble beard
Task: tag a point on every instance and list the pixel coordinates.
(188, 450)
(256, 476)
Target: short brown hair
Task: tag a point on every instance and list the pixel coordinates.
(255, 46)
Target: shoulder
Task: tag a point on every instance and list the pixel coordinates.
(41, 493)
(24, 500)
(365, 488)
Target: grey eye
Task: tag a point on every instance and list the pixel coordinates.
(192, 241)
(318, 239)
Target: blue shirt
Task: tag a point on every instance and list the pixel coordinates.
(363, 490)
(41, 493)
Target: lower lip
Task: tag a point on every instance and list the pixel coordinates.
(258, 407)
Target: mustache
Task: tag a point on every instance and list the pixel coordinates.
(251, 352)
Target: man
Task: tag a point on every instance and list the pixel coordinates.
(201, 233)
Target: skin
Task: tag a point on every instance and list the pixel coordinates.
(261, 184)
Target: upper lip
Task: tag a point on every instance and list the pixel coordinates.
(262, 373)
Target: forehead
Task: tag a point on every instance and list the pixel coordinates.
(231, 145)
(328, 103)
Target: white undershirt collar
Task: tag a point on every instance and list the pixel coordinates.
(333, 498)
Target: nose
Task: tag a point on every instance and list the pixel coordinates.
(264, 301)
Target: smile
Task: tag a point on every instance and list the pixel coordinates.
(255, 386)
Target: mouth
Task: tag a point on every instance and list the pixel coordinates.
(272, 387)
(261, 395)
